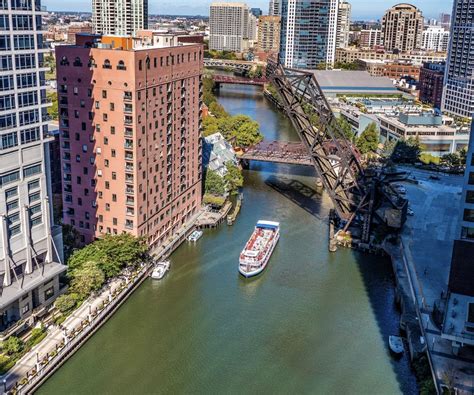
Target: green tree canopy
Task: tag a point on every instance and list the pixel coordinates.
(66, 302)
(214, 184)
(407, 151)
(368, 140)
(86, 279)
(12, 345)
(111, 253)
(233, 178)
(345, 129)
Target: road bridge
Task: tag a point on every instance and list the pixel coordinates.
(228, 79)
(232, 64)
(288, 152)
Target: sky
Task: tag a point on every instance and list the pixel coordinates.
(361, 9)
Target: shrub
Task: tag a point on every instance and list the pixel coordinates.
(213, 200)
(12, 345)
(66, 303)
(6, 363)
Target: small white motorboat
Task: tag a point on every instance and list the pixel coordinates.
(396, 344)
(195, 236)
(160, 270)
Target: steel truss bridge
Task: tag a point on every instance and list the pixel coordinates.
(233, 64)
(293, 153)
(227, 79)
(360, 197)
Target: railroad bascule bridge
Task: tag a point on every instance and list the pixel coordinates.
(363, 198)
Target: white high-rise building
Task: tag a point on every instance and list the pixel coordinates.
(229, 26)
(343, 24)
(370, 38)
(274, 8)
(30, 246)
(458, 92)
(435, 38)
(119, 17)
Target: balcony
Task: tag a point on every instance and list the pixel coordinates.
(128, 167)
(67, 188)
(128, 155)
(127, 96)
(129, 190)
(128, 132)
(128, 144)
(128, 109)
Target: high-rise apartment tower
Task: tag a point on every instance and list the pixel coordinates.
(120, 17)
(308, 32)
(402, 28)
(130, 111)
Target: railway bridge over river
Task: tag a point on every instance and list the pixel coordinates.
(287, 152)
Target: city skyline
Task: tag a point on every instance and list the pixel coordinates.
(361, 9)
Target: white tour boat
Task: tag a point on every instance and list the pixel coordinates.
(160, 270)
(258, 250)
(195, 236)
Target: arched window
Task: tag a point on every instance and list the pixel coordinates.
(77, 62)
(64, 61)
(107, 64)
(92, 62)
(121, 65)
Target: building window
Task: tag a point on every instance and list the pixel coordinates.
(10, 193)
(33, 185)
(467, 233)
(48, 293)
(32, 170)
(468, 215)
(37, 221)
(9, 178)
(34, 197)
(25, 309)
(121, 65)
(471, 178)
(107, 64)
(470, 197)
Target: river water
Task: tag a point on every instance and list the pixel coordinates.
(313, 322)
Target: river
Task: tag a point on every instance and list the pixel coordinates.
(313, 322)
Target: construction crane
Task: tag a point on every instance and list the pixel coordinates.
(357, 194)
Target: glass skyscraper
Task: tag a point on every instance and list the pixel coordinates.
(308, 32)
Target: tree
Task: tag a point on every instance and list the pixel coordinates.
(86, 279)
(233, 178)
(111, 253)
(214, 183)
(368, 140)
(210, 125)
(345, 129)
(451, 160)
(12, 345)
(53, 110)
(66, 302)
(388, 148)
(407, 151)
(71, 240)
(217, 110)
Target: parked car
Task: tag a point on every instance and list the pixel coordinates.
(410, 212)
(432, 177)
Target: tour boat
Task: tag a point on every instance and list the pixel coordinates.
(160, 270)
(396, 344)
(195, 236)
(258, 250)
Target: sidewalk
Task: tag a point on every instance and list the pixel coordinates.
(427, 244)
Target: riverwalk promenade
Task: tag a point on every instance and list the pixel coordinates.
(63, 340)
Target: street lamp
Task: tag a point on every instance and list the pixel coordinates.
(5, 385)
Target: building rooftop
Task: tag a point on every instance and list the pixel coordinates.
(343, 81)
(29, 282)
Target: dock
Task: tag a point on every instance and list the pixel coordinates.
(211, 219)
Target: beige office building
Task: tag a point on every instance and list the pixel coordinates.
(269, 34)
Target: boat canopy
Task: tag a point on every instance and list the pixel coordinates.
(251, 253)
(268, 224)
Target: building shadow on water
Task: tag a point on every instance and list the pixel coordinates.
(379, 281)
(376, 273)
(308, 198)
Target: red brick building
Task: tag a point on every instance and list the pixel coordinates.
(431, 83)
(130, 120)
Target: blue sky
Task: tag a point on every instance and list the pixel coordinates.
(361, 9)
